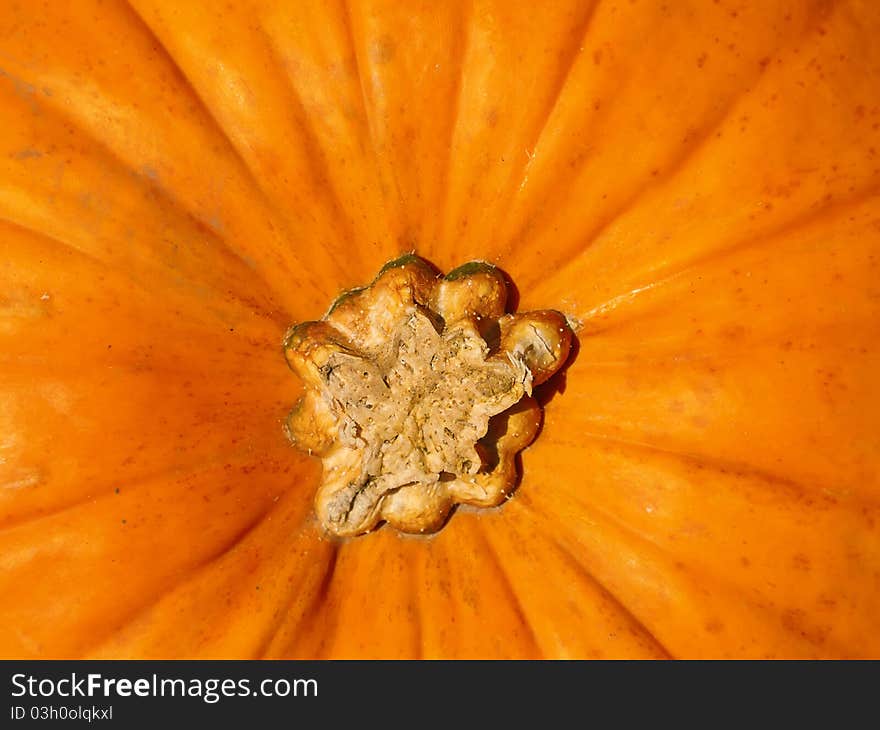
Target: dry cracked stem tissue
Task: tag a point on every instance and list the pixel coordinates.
(418, 394)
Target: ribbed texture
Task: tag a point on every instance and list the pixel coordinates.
(697, 183)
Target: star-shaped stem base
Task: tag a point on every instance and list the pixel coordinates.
(418, 394)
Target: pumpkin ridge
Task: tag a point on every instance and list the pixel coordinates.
(668, 171)
(835, 209)
(720, 465)
(517, 181)
(255, 308)
(488, 553)
(459, 55)
(692, 584)
(309, 615)
(317, 161)
(214, 239)
(393, 202)
(198, 573)
(693, 564)
(317, 254)
(60, 111)
(283, 607)
(725, 467)
(193, 571)
(526, 504)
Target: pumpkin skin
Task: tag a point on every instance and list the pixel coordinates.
(696, 183)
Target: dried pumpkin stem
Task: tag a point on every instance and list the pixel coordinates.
(417, 394)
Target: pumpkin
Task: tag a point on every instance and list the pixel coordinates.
(696, 184)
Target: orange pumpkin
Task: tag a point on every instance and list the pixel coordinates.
(695, 183)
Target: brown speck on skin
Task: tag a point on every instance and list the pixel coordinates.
(714, 626)
(383, 50)
(418, 395)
